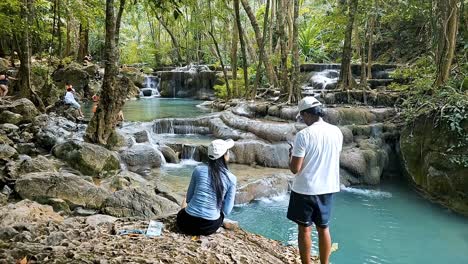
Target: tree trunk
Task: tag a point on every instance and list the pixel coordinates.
(59, 31)
(262, 51)
(346, 80)
(235, 41)
(68, 40)
(117, 26)
(447, 26)
(242, 43)
(371, 40)
(102, 125)
(22, 39)
(295, 91)
(84, 42)
(271, 29)
(175, 43)
(218, 52)
(283, 45)
(266, 56)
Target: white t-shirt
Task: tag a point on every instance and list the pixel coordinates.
(320, 144)
(69, 98)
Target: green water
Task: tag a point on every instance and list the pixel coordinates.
(149, 109)
(390, 224)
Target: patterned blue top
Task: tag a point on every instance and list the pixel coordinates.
(201, 198)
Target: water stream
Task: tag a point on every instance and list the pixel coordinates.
(385, 224)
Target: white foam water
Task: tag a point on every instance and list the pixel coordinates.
(367, 192)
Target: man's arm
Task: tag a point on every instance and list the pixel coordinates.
(295, 164)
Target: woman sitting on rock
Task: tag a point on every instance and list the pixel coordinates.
(211, 193)
(70, 100)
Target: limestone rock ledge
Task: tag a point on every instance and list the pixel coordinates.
(76, 241)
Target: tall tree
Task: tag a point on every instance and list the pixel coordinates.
(234, 43)
(346, 80)
(102, 124)
(242, 43)
(84, 41)
(261, 50)
(447, 28)
(295, 91)
(283, 46)
(259, 37)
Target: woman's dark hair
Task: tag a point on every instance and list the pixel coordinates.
(216, 172)
(317, 110)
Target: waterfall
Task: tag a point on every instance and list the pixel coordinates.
(321, 81)
(189, 152)
(151, 88)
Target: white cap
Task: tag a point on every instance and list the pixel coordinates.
(219, 147)
(308, 102)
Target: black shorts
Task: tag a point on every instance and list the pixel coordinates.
(308, 209)
(197, 226)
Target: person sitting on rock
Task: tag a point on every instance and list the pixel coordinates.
(120, 118)
(70, 100)
(211, 193)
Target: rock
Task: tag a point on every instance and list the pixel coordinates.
(10, 117)
(27, 212)
(435, 159)
(123, 180)
(75, 75)
(4, 64)
(9, 128)
(68, 187)
(84, 212)
(169, 154)
(349, 116)
(7, 152)
(53, 129)
(141, 136)
(5, 140)
(137, 202)
(7, 233)
(264, 188)
(116, 141)
(135, 75)
(27, 149)
(95, 220)
(253, 152)
(230, 224)
(3, 199)
(366, 162)
(55, 238)
(25, 108)
(347, 135)
(59, 205)
(88, 158)
(141, 157)
(27, 164)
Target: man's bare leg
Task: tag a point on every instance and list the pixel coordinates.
(324, 244)
(305, 243)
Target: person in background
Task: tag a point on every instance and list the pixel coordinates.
(315, 159)
(70, 100)
(4, 82)
(120, 118)
(95, 99)
(211, 193)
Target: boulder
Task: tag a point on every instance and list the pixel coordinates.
(27, 212)
(349, 116)
(253, 152)
(5, 140)
(138, 202)
(169, 154)
(141, 136)
(135, 75)
(264, 188)
(435, 159)
(25, 108)
(73, 189)
(7, 152)
(52, 129)
(73, 74)
(365, 162)
(88, 158)
(142, 157)
(124, 180)
(95, 220)
(8, 128)
(10, 117)
(4, 64)
(27, 164)
(27, 148)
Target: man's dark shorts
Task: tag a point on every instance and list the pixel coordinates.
(308, 209)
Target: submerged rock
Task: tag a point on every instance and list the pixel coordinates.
(73, 189)
(88, 158)
(264, 188)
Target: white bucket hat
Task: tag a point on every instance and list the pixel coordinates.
(219, 147)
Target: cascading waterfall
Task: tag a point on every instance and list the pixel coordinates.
(189, 152)
(321, 81)
(151, 87)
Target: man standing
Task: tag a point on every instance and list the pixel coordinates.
(315, 159)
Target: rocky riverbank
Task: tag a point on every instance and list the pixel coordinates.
(34, 233)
